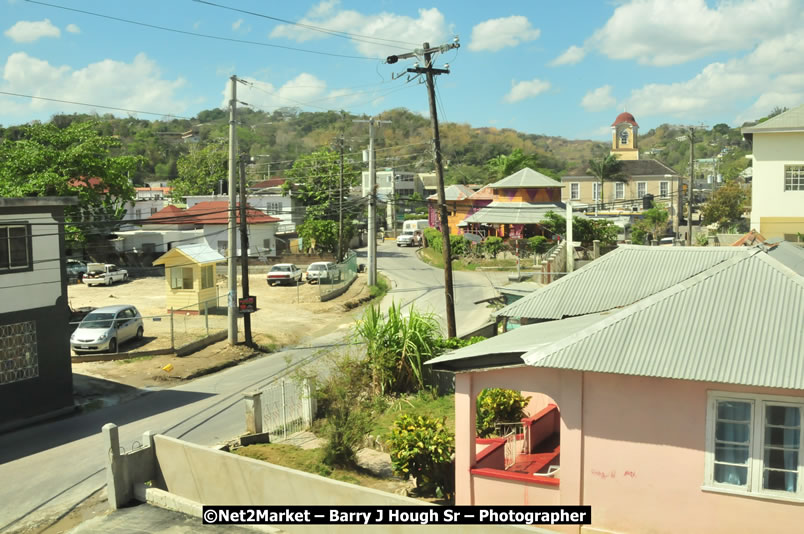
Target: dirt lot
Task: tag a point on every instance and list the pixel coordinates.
(286, 315)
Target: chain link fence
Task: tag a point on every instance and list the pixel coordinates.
(339, 278)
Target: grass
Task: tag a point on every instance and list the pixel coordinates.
(422, 403)
(379, 290)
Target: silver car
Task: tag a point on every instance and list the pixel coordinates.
(105, 328)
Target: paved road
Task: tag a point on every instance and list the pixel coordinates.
(417, 284)
(48, 468)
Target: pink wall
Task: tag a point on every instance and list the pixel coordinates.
(631, 447)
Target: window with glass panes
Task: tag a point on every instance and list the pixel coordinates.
(664, 189)
(794, 177)
(642, 189)
(15, 245)
(619, 190)
(754, 444)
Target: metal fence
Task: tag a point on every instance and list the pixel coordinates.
(288, 407)
(345, 272)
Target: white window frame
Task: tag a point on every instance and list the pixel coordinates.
(644, 187)
(666, 187)
(596, 191)
(619, 190)
(793, 178)
(754, 479)
(575, 191)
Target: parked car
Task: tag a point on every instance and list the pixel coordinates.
(102, 330)
(104, 273)
(284, 273)
(76, 269)
(323, 270)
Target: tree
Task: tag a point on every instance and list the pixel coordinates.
(322, 233)
(45, 160)
(584, 230)
(200, 171)
(725, 206)
(654, 222)
(502, 165)
(314, 180)
(605, 170)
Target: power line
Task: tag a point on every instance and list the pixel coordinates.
(196, 34)
(335, 33)
(94, 105)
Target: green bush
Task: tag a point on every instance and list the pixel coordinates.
(397, 347)
(497, 405)
(539, 244)
(458, 245)
(492, 246)
(452, 343)
(345, 400)
(423, 448)
(433, 238)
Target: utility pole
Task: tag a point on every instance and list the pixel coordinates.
(692, 182)
(244, 248)
(232, 248)
(372, 203)
(429, 73)
(570, 247)
(340, 206)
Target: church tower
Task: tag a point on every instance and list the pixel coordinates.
(624, 131)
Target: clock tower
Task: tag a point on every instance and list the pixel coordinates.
(624, 131)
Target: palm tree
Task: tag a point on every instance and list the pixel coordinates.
(506, 165)
(607, 169)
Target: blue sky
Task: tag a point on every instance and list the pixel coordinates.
(554, 68)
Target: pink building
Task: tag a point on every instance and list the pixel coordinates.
(680, 412)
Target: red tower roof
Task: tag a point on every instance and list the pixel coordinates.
(625, 117)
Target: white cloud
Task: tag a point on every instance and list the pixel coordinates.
(661, 33)
(428, 27)
(770, 74)
(73, 28)
(571, 56)
(598, 99)
(236, 24)
(304, 91)
(26, 31)
(135, 85)
(526, 89)
(496, 34)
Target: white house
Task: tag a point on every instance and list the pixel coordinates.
(777, 187)
(390, 182)
(35, 370)
(270, 201)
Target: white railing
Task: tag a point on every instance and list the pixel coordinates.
(287, 407)
(514, 445)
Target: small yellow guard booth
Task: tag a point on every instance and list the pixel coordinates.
(190, 277)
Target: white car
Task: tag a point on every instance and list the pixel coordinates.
(407, 239)
(322, 270)
(284, 273)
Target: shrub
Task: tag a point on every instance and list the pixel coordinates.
(493, 245)
(423, 448)
(452, 343)
(497, 405)
(458, 245)
(538, 244)
(344, 398)
(433, 238)
(397, 347)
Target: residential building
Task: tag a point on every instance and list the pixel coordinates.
(627, 197)
(429, 183)
(391, 182)
(35, 370)
(459, 206)
(777, 184)
(519, 203)
(268, 200)
(692, 397)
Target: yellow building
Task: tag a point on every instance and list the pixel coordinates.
(190, 277)
(624, 141)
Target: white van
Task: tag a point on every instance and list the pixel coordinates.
(414, 225)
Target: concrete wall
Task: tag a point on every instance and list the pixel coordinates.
(217, 236)
(774, 211)
(631, 447)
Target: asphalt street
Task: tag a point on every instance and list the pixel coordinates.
(49, 468)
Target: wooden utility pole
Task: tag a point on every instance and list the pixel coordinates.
(244, 248)
(340, 206)
(232, 248)
(429, 73)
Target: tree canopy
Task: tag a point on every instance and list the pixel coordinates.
(606, 169)
(315, 179)
(200, 171)
(726, 205)
(76, 160)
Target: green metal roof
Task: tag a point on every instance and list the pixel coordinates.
(623, 276)
(526, 178)
(514, 212)
(739, 322)
(790, 120)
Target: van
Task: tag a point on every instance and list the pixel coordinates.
(415, 225)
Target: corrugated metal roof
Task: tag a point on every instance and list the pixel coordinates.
(199, 253)
(739, 322)
(792, 119)
(514, 212)
(789, 254)
(454, 192)
(627, 274)
(525, 178)
(516, 342)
